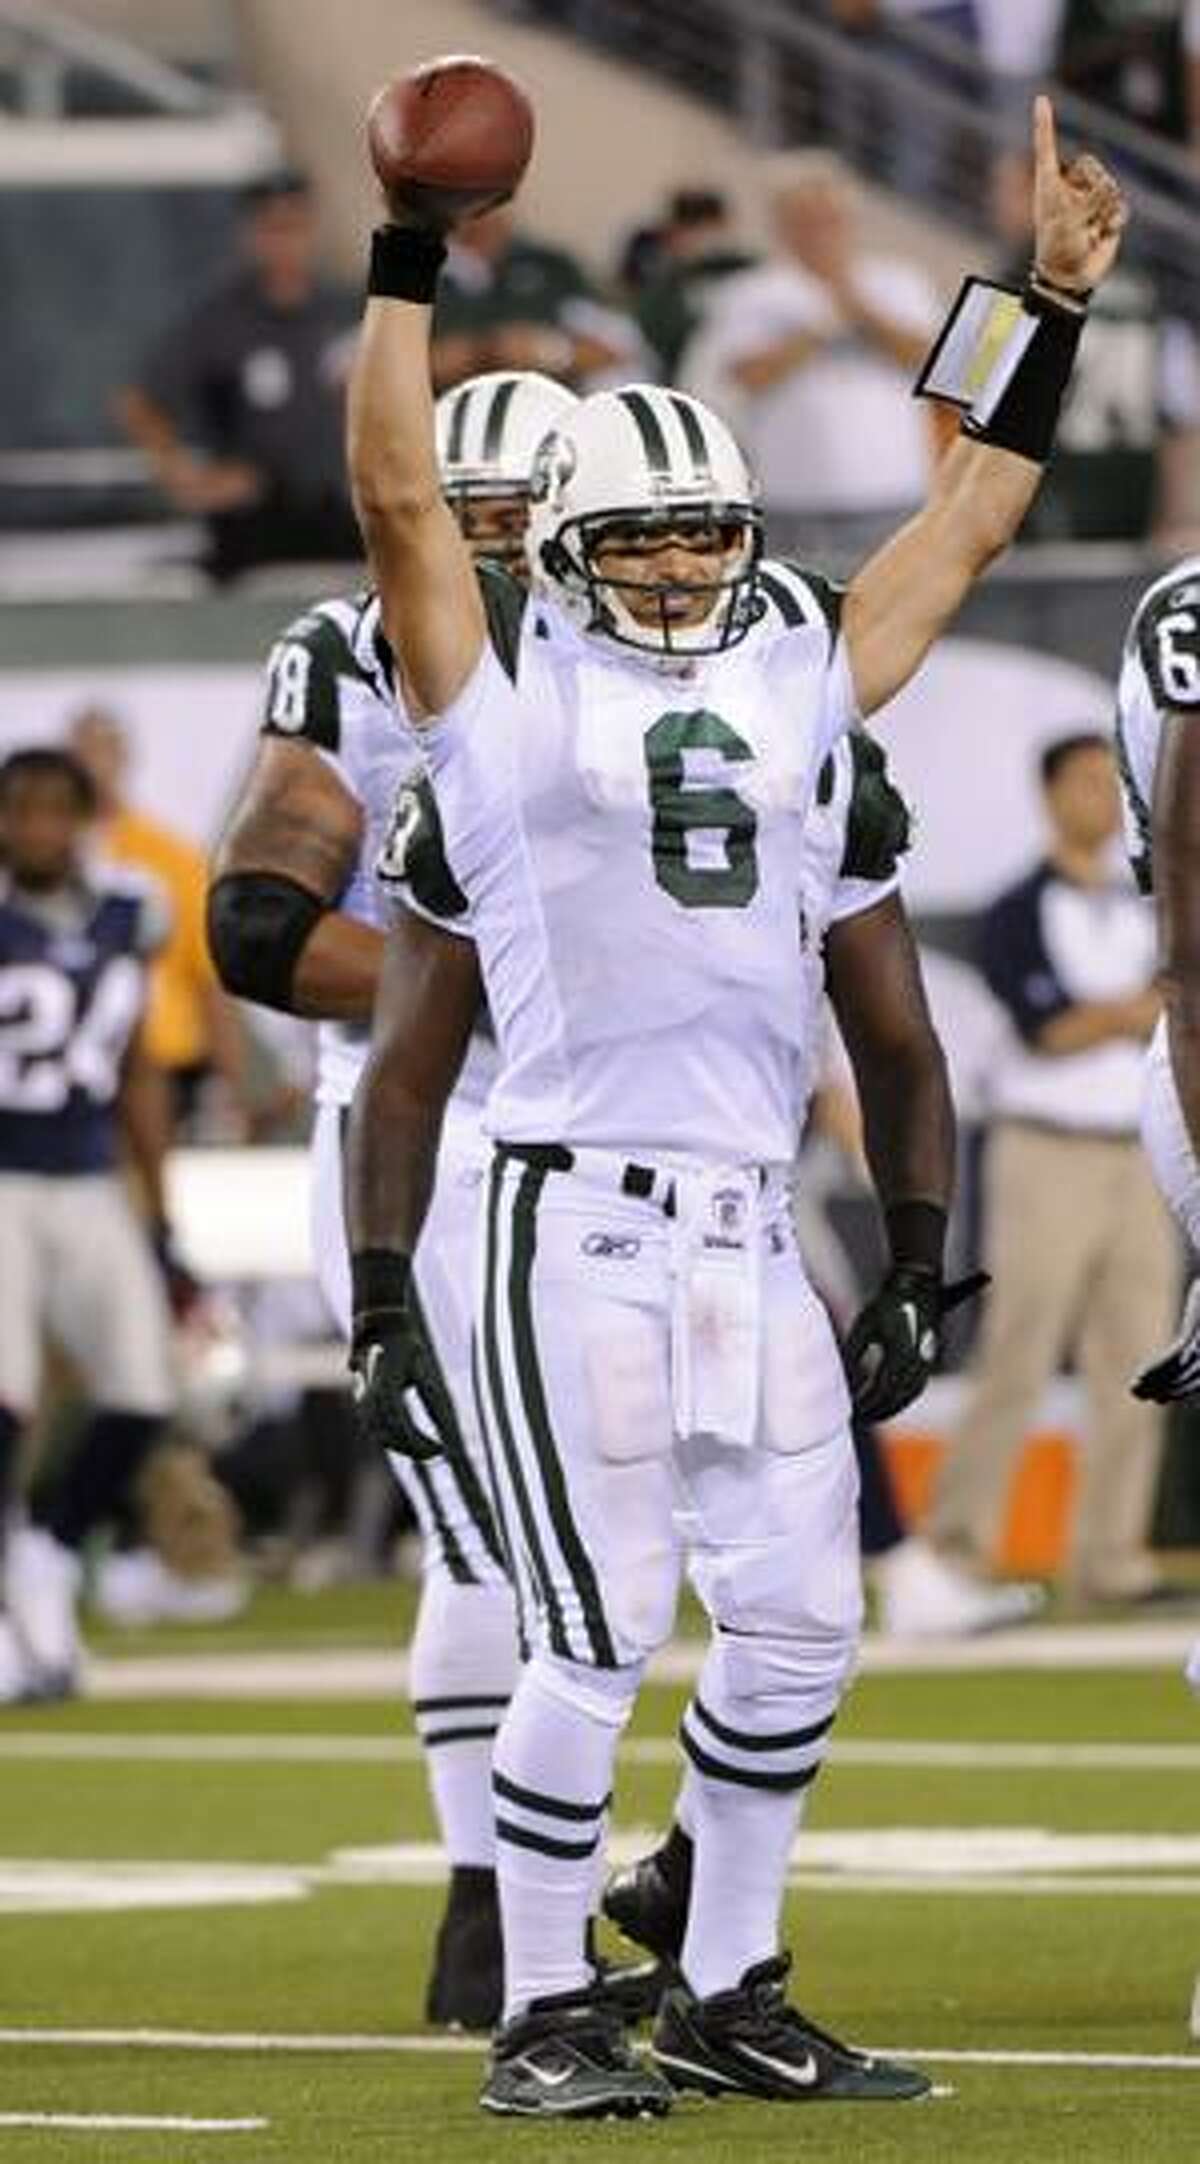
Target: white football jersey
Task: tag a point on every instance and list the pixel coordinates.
(1160, 669)
(632, 846)
(329, 684)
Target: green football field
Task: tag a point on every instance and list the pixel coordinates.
(215, 1913)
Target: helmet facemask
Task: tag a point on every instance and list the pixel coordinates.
(665, 623)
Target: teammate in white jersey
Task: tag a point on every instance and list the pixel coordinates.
(659, 1384)
(297, 921)
(1158, 754)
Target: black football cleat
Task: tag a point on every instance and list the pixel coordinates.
(568, 2057)
(648, 1901)
(750, 2042)
(466, 1983)
(634, 1988)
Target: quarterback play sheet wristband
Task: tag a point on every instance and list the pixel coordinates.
(1004, 359)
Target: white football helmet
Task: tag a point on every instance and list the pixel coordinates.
(651, 458)
(488, 432)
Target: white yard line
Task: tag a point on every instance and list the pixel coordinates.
(236, 2041)
(328, 1672)
(103, 2122)
(930, 1861)
(36, 1745)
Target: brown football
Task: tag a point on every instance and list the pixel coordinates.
(450, 138)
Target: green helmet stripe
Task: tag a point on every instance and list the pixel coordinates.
(649, 428)
(458, 426)
(493, 428)
(693, 429)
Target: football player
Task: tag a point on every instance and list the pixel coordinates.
(856, 946)
(659, 1384)
(295, 920)
(75, 945)
(1158, 755)
(1158, 698)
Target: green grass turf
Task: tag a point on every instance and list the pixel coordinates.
(297, 1814)
(374, 1613)
(994, 1970)
(370, 2111)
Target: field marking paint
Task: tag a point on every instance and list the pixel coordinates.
(93, 2122)
(970, 1860)
(34, 1746)
(238, 2041)
(363, 1672)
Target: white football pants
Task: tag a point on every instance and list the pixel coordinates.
(605, 1504)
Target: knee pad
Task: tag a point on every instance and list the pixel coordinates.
(464, 1647)
(778, 1677)
(603, 1695)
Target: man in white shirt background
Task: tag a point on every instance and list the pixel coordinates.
(811, 357)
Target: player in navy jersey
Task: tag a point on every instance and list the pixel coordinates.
(74, 1262)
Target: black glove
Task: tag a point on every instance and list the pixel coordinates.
(1175, 1373)
(400, 1398)
(894, 1344)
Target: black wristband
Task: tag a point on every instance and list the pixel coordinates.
(405, 261)
(379, 1279)
(1026, 417)
(916, 1234)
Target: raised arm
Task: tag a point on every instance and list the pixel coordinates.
(908, 592)
(432, 611)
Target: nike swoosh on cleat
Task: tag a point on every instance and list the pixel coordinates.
(802, 2073)
(548, 2080)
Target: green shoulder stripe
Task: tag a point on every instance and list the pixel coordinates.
(825, 592)
(504, 599)
(878, 823)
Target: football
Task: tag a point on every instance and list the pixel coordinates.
(449, 139)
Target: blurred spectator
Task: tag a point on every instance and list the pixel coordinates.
(1019, 37)
(811, 359)
(1081, 1251)
(239, 409)
(508, 302)
(639, 258)
(192, 1026)
(697, 249)
(74, 1262)
(1139, 57)
(1125, 447)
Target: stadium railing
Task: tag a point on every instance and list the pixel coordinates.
(922, 115)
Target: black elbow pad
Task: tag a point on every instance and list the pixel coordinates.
(258, 926)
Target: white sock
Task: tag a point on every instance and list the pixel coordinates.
(743, 1839)
(462, 1666)
(753, 1749)
(552, 1781)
